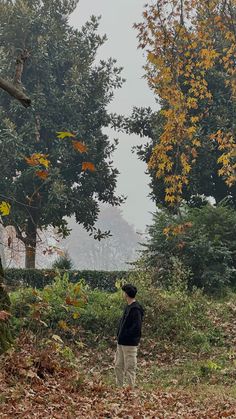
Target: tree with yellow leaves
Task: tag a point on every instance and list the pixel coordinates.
(191, 67)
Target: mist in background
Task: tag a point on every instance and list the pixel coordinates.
(117, 19)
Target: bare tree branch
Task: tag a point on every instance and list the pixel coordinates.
(15, 92)
(15, 88)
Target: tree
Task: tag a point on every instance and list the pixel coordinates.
(5, 334)
(112, 253)
(204, 179)
(14, 87)
(45, 178)
(191, 47)
(201, 239)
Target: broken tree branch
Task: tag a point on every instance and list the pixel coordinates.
(15, 92)
(15, 88)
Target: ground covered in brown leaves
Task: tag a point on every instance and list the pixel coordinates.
(38, 384)
(53, 398)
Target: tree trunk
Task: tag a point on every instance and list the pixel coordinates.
(30, 256)
(30, 242)
(2, 253)
(5, 333)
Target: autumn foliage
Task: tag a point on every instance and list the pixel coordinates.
(186, 40)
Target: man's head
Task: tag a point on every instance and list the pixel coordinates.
(130, 291)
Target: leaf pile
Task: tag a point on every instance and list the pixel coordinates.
(39, 384)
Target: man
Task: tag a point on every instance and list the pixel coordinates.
(128, 335)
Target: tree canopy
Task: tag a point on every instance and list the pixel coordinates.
(45, 176)
(190, 49)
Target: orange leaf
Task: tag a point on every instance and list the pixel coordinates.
(88, 166)
(72, 301)
(43, 174)
(81, 147)
(37, 159)
(31, 161)
(69, 300)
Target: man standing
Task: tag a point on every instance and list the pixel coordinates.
(128, 335)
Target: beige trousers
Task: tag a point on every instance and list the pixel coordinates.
(125, 364)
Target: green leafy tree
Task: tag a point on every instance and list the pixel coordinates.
(45, 178)
(202, 240)
(63, 262)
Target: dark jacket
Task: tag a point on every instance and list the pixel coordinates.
(129, 331)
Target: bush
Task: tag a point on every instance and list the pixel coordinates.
(176, 316)
(63, 262)
(39, 278)
(102, 313)
(75, 311)
(201, 241)
(57, 307)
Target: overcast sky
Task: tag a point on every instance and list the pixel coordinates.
(117, 19)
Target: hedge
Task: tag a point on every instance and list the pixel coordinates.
(39, 278)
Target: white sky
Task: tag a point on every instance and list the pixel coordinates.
(118, 17)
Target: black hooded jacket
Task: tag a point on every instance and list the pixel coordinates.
(129, 331)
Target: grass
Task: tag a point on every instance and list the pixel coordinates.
(188, 345)
(200, 376)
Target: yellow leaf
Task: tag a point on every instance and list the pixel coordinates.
(170, 198)
(88, 166)
(38, 159)
(76, 315)
(192, 130)
(81, 147)
(63, 325)
(64, 134)
(77, 289)
(196, 143)
(44, 162)
(194, 119)
(5, 208)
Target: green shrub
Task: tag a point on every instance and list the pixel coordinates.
(203, 243)
(176, 316)
(39, 278)
(208, 368)
(56, 307)
(102, 313)
(75, 311)
(63, 262)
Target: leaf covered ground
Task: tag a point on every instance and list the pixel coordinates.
(37, 383)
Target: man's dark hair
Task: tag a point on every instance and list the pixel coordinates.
(130, 290)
